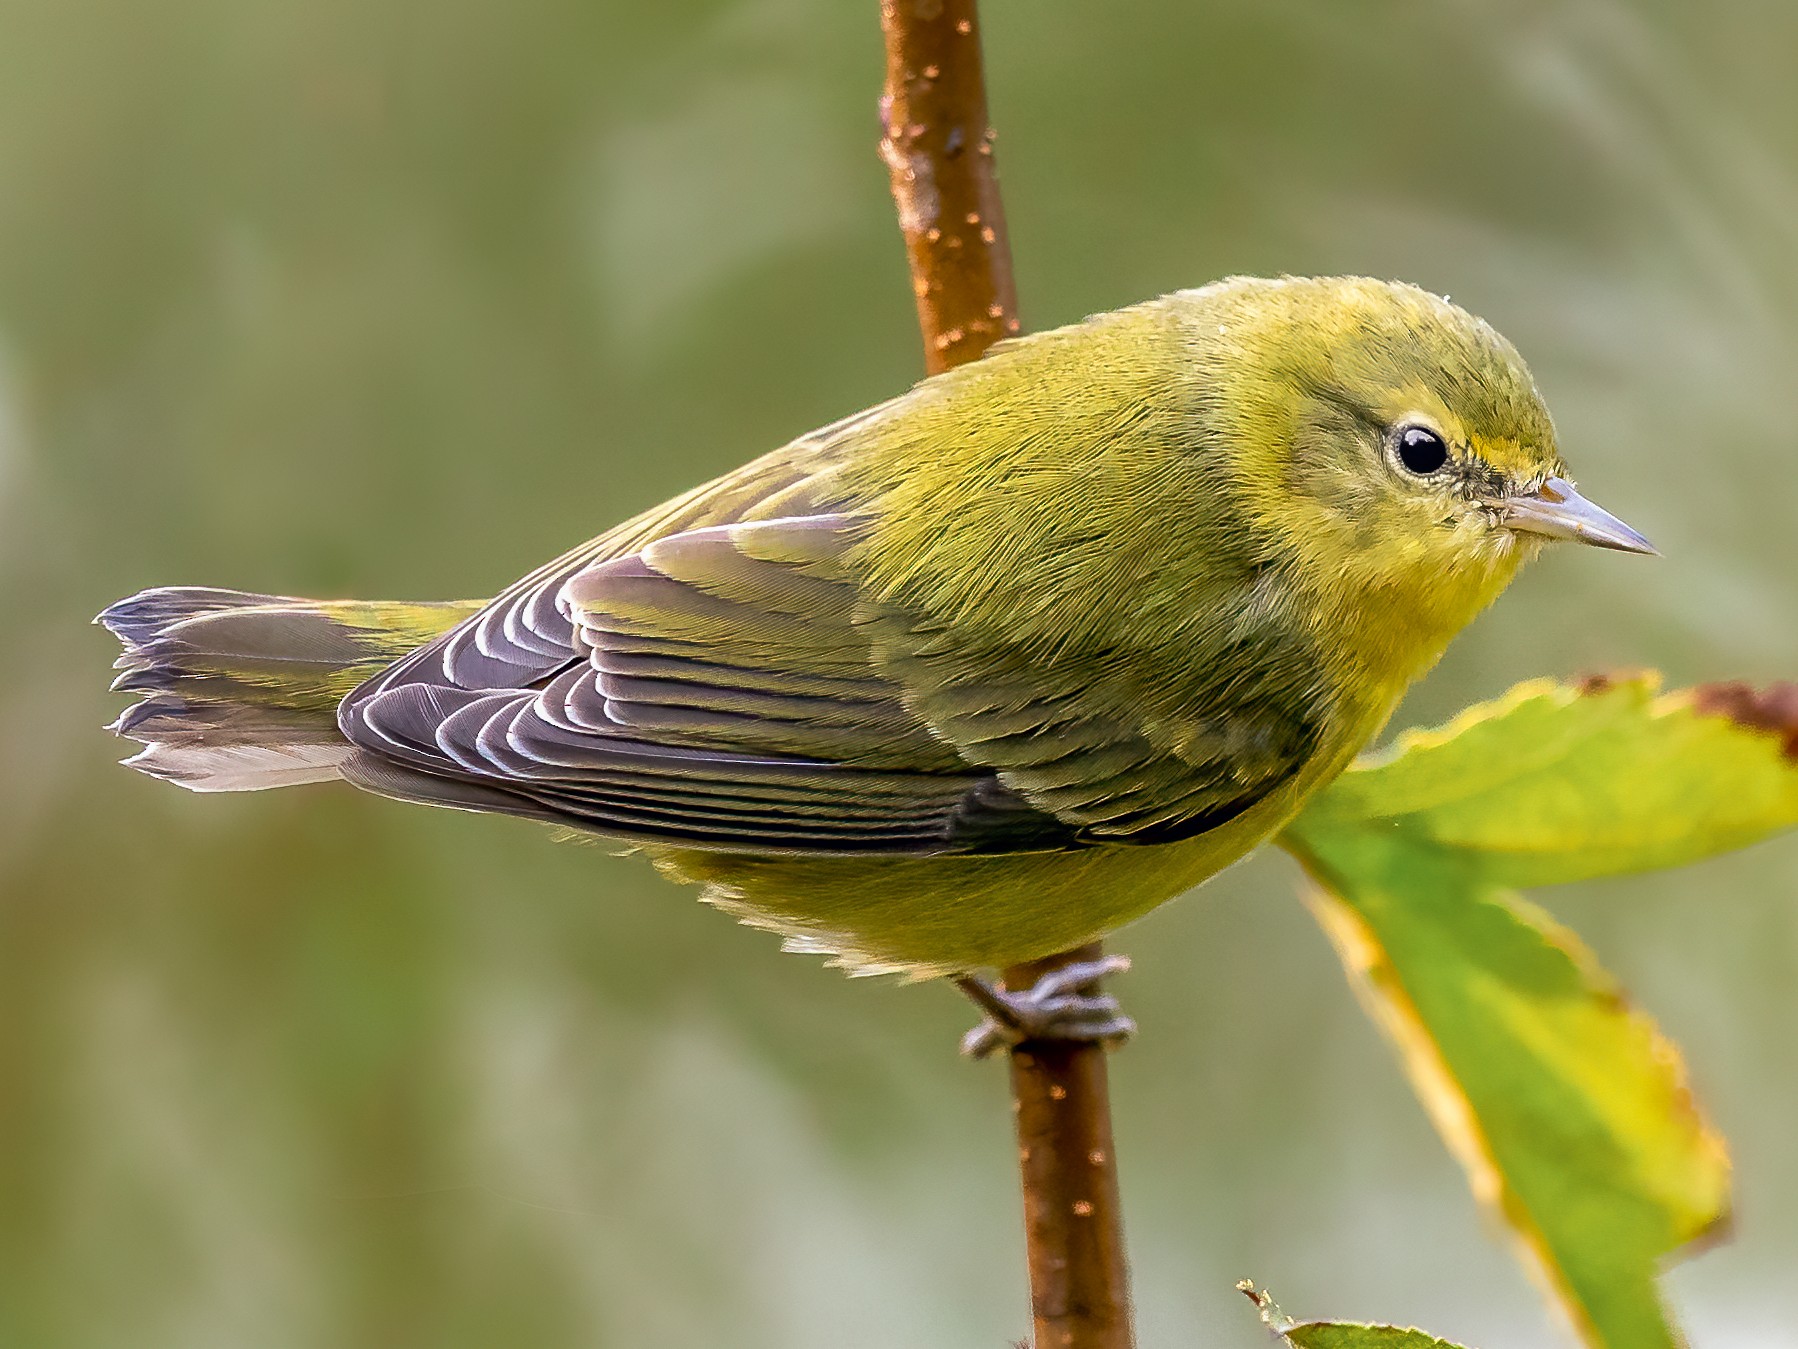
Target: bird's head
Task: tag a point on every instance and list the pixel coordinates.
(1398, 441)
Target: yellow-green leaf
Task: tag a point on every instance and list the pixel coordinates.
(1566, 1106)
(1353, 1335)
(1338, 1334)
(1558, 782)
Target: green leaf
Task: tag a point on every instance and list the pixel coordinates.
(1568, 1109)
(1338, 1334)
(1351, 1335)
(1557, 782)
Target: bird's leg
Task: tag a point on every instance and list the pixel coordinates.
(1062, 1005)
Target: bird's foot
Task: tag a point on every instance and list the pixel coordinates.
(1065, 1004)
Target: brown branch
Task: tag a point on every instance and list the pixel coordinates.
(1073, 1224)
(938, 148)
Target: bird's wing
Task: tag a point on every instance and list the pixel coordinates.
(715, 692)
(1122, 748)
(729, 687)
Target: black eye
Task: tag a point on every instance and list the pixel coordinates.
(1420, 450)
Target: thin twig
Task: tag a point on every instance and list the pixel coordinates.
(938, 147)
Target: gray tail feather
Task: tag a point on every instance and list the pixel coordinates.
(239, 692)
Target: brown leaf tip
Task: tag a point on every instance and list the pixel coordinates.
(1603, 681)
(1773, 709)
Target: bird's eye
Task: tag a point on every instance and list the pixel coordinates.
(1419, 450)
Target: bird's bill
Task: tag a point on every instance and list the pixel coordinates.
(1554, 510)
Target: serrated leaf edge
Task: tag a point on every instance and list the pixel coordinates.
(1644, 684)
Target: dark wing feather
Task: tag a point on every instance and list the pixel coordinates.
(728, 687)
(726, 700)
(1143, 746)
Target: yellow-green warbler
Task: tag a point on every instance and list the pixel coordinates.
(966, 679)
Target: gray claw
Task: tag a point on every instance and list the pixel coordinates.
(1055, 1007)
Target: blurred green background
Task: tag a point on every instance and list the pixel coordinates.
(378, 298)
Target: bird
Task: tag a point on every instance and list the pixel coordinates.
(972, 677)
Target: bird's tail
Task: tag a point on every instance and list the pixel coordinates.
(239, 692)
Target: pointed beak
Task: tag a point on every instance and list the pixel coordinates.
(1554, 510)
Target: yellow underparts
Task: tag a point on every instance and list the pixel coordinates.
(928, 916)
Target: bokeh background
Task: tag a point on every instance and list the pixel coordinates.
(379, 298)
